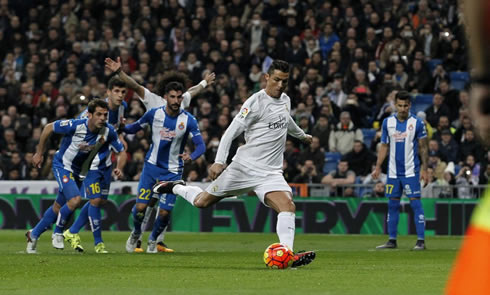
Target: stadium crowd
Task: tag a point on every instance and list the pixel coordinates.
(348, 60)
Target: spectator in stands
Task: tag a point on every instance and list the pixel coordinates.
(438, 166)
(469, 146)
(309, 173)
(419, 79)
(360, 159)
(321, 130)
(451, 98)
(344, 134)
(464, 182)
(437, 109)
(448, 147)
(314, 153)
(378, 190)
(442, 124)
(340, 179)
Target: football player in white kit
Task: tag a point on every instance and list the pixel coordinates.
(257, 166)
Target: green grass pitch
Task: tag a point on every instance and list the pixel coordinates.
(217, 263)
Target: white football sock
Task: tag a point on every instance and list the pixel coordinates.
(285, 228)
(189, 193)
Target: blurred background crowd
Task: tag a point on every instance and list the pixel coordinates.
(348, 59)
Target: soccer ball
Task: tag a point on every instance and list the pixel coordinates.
(278, 256)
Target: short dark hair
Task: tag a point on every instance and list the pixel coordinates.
(97, 103)
(172, 76)
(116, 82)
(403, 95)
(279, 65)
(176, 86)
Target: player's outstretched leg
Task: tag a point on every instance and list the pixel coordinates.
(166, 187)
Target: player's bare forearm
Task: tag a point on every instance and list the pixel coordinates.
(196, 89)
(47, 131)
(383, 151)
(122, 158)
(132, 84)
(424, 153)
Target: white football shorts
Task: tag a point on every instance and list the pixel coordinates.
(237, 179)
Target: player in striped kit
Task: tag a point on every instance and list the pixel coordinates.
(98, 180)
(155, 100)
(404, 137)
(83, 139)
(170, 128)
(257, 166)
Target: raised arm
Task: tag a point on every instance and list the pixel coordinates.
(115, 67)
(196, 89)
(38, 157)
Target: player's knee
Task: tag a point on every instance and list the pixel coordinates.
(56, 207)
(97, 202)
(163, 213)
(203, 200)
(75, 202)
(140, 207)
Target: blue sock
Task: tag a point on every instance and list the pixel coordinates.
(393, 217)
(159, 226)
(81, 220)
(46, 221)
(137, 219)
(95, 224)
(418, 217)
(63, 217)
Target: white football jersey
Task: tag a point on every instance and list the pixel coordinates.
(151, 100)
(266, 122)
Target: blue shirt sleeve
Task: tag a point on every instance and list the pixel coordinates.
(384, 132)
(420, 131)
(141, 123)
(114, 141)
(65, 126)
(200, 147)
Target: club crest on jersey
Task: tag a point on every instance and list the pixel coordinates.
(244, 113)
(65, 179)
(167, 134)
(410, 127)
(181, 126)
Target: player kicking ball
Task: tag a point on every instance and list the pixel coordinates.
(257, 165)
(404, 136)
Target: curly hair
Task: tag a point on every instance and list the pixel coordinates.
(171, 76)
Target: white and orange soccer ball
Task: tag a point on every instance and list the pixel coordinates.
(278, 256)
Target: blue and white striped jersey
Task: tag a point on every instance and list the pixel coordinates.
(169, 136)
(79, 141)
(103, 159)
(402, 138)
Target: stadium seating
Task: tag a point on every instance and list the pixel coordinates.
(421, 102)
(331, 161)
(368, 134)
(459, 79)
(433, 63)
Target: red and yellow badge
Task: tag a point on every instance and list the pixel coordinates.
(181, 126)
(410, 127)
(65, 179)
(244, 113)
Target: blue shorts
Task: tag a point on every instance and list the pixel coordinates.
(150, 175)
(97, 183)
(396, 186)
(69, 185)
